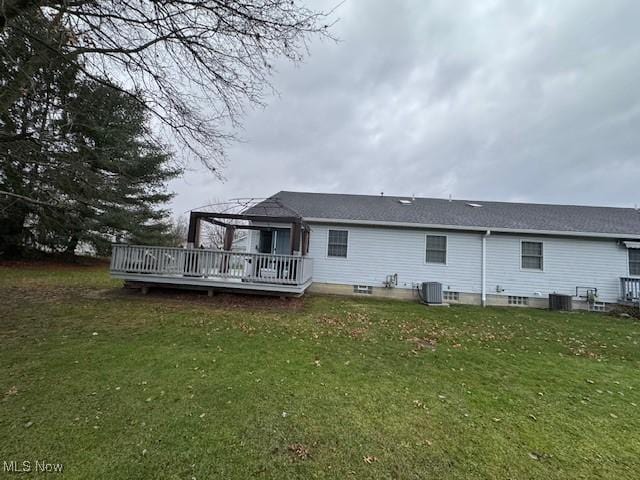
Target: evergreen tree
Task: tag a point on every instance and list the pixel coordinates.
(77, 160)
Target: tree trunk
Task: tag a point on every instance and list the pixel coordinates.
(71, 246)
(12, 232)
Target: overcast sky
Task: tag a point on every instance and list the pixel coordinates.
(489, 100)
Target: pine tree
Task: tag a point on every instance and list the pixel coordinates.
(78, 163)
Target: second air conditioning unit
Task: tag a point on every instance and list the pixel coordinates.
(431, 292)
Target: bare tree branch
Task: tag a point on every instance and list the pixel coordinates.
(197, 63)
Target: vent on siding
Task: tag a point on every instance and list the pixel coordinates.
(513, 300)
(363, 289)
(448, 296)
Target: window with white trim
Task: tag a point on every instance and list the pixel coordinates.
(532, 255)
(436, 251)
(634, 261)
(337, 245)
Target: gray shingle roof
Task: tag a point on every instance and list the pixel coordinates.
(455, 213)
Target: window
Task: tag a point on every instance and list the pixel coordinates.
(518, 300)
(364, 289)
(634, 261)
(449, 296)
(338, 240)
(436, 249)
(532, 255)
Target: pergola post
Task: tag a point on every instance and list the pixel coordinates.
(227, 245)
(294, 238)
(193, 234)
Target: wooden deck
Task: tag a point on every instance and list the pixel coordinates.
(212, 269)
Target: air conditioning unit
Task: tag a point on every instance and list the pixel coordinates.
(432, 292)
(560, 302)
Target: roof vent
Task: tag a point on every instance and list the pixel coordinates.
(474, 205)
(404, 202)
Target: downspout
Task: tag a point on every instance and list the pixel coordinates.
(484, 267)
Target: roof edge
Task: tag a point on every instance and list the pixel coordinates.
(463, 200)
(560, 233)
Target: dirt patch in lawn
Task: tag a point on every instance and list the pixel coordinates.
(219, 300)
(77, 263)
(423, 343)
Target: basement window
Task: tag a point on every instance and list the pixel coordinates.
(449, 296)
(513, 300)
(532, 256)
(363, 289)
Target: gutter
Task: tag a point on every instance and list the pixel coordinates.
(562, 233)
(484, 267)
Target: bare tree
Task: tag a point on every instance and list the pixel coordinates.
(197, 63)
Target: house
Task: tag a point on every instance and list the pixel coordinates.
(490, 253)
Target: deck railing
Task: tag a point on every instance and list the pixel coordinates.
(205, 263)
(630, 289)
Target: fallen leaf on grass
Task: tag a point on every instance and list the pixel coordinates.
(299, 450)
(369, 459)
(539, 456)
(423, 343)
(12, 391)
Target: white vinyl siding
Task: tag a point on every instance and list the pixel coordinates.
(375, 252)
(568, 263)
(337, 244)
(532, 255)
(436, 251)
(634, 261)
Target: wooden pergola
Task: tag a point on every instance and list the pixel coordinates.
(299, 238)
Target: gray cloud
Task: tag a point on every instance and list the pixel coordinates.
(530, 101)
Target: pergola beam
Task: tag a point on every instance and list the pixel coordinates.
(195, 218)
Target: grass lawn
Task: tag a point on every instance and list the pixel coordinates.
(117, 385)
